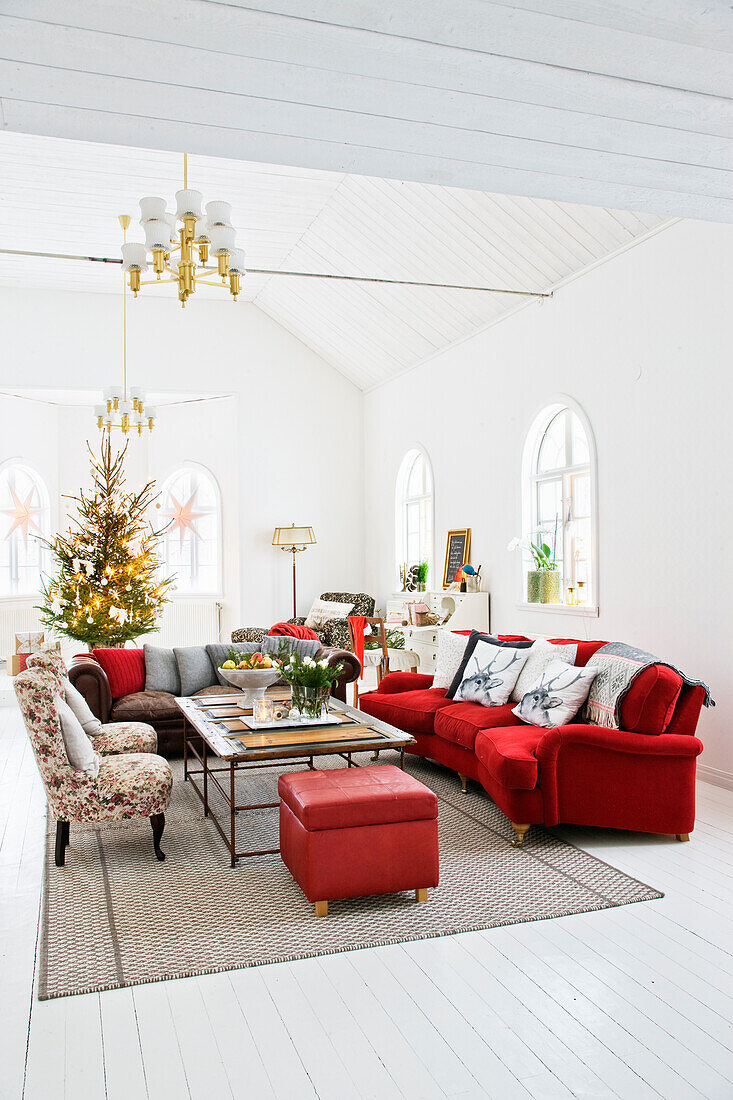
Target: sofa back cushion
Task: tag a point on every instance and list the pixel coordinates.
(194, 668)
(124, 668)
(161, 670)
(585, 649)
(451, 648)
(219, 652)
(649, 703)
(304, 647)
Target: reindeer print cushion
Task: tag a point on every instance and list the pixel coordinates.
(541, 655)
(557, 696)
(490, 674)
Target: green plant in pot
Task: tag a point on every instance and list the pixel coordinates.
(422, 576)
(543, 582)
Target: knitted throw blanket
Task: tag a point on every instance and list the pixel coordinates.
(619, 665)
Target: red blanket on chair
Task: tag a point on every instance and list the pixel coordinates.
(292, 630)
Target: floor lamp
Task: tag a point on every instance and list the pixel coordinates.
(293, 539)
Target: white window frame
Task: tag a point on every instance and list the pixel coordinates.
(202, 471)
(45, 525)
(531, 478)
(401, 503)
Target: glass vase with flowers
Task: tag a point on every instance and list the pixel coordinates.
(311, 682)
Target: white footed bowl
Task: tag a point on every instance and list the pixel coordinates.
(252, 681)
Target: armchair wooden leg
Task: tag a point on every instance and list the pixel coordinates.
(157, 822)
(683, 836)
(62, 842)
(520, 831)
(321, 908)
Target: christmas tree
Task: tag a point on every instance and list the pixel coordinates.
(107, 589)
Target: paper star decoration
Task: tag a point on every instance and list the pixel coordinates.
(22, 515)
(183, 518)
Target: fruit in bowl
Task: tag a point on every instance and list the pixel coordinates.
(252, 672)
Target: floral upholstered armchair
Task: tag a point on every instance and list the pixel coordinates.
(128, 785)
(336, 631)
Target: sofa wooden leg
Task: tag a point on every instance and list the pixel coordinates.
(321, 908)
(520, 832)
(62, 842)
(421, 894)
(464, 780)
(157, 822)
(683, 836)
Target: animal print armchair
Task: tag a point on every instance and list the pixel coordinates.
(127, 785)
(336, 631)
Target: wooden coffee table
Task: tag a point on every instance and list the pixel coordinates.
(207, 720)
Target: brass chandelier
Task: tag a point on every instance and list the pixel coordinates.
(124, 409)
(183, 251)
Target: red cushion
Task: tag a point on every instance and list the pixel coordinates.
(649, 704)
(507, 753)
(125, 669)
(461, 722)
(347, 797)
(293, 630)
(585, 649)
(412, 711)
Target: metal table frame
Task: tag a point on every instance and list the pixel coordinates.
(386, 737)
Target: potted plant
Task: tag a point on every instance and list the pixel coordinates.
(422, 576)
(543, 582)
(311, 682)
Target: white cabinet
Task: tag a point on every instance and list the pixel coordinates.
(466, 611)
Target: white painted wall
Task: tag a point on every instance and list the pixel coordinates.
(285, 446)
(643, 344)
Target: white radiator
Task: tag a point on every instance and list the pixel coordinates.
(188, 622)
(16, 616)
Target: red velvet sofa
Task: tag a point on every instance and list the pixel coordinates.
(640, 777)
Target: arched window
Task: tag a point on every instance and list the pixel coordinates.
(559, 498)
(191, 545)
(414, 511)
(24, 520)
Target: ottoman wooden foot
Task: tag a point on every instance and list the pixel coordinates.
(683, 836)
(321, 908)
(421, 894)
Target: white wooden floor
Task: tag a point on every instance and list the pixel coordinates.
(634, 1003)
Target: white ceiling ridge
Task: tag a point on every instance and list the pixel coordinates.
(84, 405)
(524, 305)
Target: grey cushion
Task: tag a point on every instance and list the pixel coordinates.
(306, 647)
(194, 668)
(161, 670)
(219, 651)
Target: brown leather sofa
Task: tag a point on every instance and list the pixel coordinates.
(159, 707)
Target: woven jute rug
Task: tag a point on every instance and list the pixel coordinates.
(114, 916)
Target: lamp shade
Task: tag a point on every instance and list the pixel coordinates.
(237, 262)
(223, 239)
(219, 213)
(188, 203)
(200, 233)
(134, 257)
(151, 208)
(158, 234)
(293, 536)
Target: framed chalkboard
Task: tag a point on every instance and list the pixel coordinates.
(457, 553)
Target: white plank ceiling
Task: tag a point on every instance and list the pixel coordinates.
(619, 104)
(63, 196)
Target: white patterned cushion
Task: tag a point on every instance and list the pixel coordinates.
(451, 648)
(79, 748)
(323, 611)
(491, 673)
(557, 696)
(539, 657)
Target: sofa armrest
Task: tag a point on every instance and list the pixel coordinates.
(351, 672)
(337, 633)
(90, 679)
(592, 775)
(394, 682)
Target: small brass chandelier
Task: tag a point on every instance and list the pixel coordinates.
(199, 236)
(124, 410)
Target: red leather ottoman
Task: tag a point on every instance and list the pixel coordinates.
(351, 832)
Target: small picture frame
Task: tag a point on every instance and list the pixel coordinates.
(457, 553)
